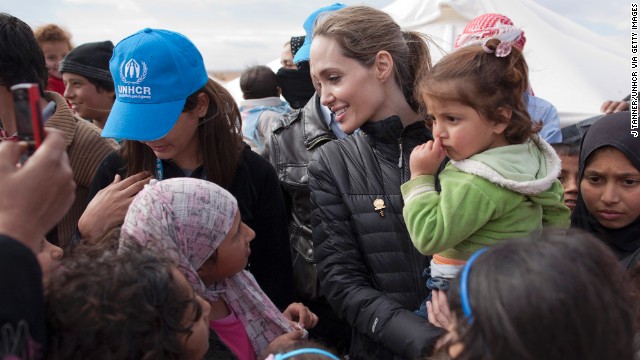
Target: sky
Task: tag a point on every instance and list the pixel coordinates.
(235, 34)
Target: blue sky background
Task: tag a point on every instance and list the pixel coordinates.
(235, 34)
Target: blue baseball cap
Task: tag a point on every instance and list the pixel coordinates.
(309, 24)
(154, 71)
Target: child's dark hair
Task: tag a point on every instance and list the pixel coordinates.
(567, 149)
(555, 295)
(477, 78)
(116, 306)
(21, 58)
(309, 350)
(102, 85)
(259, 82)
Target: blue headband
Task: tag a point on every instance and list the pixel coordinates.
(464, 285)
(304, 351)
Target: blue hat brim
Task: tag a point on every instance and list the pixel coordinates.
(142, 122)
(303, 53)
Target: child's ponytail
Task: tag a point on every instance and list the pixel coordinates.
(516, 77)
(486, 77)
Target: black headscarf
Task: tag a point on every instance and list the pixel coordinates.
(297, 87)
(610, 130)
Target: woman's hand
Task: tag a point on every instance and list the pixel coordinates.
(438, 310)
(300, 316)
(109, 207)
(425, 159)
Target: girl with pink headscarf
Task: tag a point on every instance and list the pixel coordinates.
(197, 223)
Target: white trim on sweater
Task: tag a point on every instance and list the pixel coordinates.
(531, 187)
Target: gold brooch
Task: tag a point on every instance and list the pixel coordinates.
(378, 205)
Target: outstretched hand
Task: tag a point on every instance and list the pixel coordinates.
(425, 159)
(611, 106)
(300, 316)
(109, 207)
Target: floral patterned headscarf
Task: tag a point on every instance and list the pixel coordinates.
(187, 219)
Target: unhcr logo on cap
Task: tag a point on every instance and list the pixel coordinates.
(131, 74)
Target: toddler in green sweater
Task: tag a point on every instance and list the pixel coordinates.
(501, 182)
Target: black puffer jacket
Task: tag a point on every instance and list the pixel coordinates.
(368, 268)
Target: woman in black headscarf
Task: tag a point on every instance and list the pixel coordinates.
(609, 199)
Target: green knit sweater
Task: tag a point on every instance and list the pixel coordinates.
(502, 193)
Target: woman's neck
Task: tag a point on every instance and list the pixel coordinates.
(396, 104)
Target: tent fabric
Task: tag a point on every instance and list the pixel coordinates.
(570, 66)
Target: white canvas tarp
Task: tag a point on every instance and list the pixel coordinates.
(570, 66)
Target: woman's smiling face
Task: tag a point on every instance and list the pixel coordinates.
(350, 90)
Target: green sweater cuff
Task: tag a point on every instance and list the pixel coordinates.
(419, 185)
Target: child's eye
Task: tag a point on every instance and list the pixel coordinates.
(631, 182)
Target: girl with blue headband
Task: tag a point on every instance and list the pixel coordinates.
(551, 296)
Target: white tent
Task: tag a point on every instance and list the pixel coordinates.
(570, 66)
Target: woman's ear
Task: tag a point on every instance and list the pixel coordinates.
(504, 113)
(383, 65)
(203, 105)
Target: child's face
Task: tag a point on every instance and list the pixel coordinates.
(286, 58)
(54, 52)
(610, 188)
(85, 98)
(196, 344)
(232, 254)
(569, 179)
(462, 130)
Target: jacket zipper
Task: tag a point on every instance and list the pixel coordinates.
(323, 138)
(400, 160)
